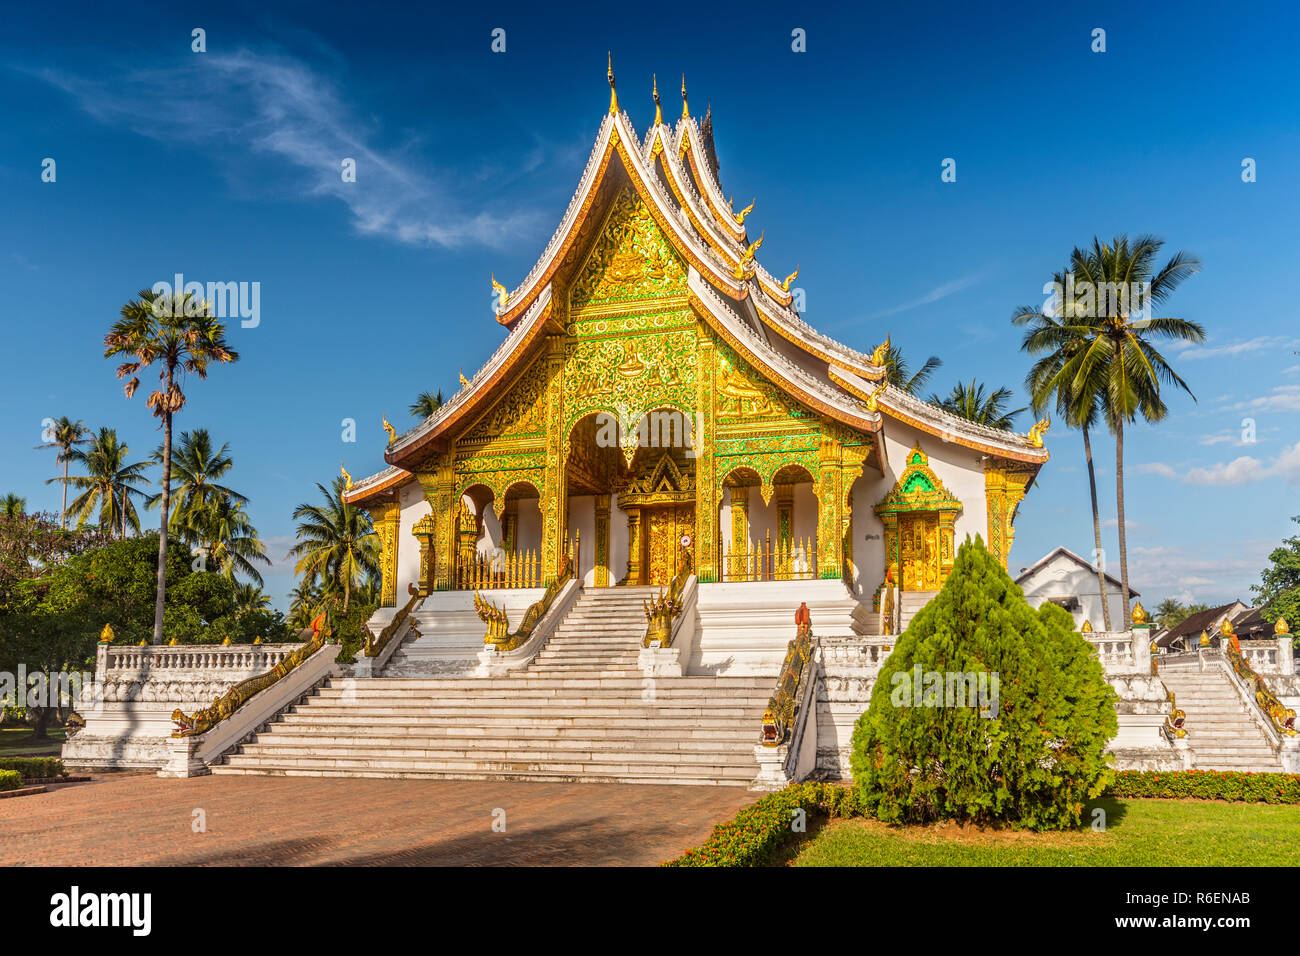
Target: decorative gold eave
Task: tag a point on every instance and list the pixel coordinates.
(731, 253)
(362, 494)
(671, 227)
(867, 422)
(1033, 456)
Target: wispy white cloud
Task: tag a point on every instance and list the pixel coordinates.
(1240, 471)
(934, 295)
(1259, 343)
(1281, 398)
(270, 103)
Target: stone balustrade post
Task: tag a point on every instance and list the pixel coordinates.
(1285, 658)
(1141, 641)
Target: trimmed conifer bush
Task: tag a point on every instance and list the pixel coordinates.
(1028, 751)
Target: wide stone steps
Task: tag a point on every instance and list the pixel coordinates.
(579, 712)
(1222, 732)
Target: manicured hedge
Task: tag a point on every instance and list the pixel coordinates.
(34, 768)
(1208, 785)
(10, 780)
(755, 835)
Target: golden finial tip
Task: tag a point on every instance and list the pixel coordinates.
(686, 110)
(1087, 627)
(106, 635)
(1281, 626)
(1226, 628)
(613, 93)
(659, 113)
(1139, 613)
(1205, 638)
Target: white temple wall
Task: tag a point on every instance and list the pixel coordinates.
(414, 506)
(1064, 579)
(961, 470)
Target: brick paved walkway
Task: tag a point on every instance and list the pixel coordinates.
(131, 819)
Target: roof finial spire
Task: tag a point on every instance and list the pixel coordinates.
(613, 93)
(686, 110)
(659, 113)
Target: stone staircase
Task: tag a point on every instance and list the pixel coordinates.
(1222, 733)
(582, 711)
(911, 602)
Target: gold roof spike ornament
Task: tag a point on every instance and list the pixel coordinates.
(874, 398)
(686, 110)
(347, 479)
(1139, 613)
(613, 93)
(106, 635)
(392, 432)
(881, 352)
(659, 113)
(1038, 430)
(1087, 628)
(463, 380)
(785, 286)
(740, 216)
(501, 292)
(1281, 628)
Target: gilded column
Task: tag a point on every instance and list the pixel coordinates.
(554, 491)
(439, 490)
(602, 541)
(634, 545)
(784, 515)
(510, 526)
(425, 531)
(829, 508)
(708, 495)
(1004, 489)
(739, 519)
(385, 518)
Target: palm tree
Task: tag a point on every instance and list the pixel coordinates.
(426, 403)
(109, 484)
(899, 375)
(181, 335)
(1117, 362)
(11, 506)
(971, 403)
(304, 603)
(195, 470)
(223, 530)
(337, 543)
(250, 598)
(1049, 334)
(65, 435)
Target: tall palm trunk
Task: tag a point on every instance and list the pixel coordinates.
(1119, 509)
(347, 590)
(164, 509)
(63, 512)
(1099, 554)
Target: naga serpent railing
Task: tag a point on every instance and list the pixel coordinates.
(663, 610)
(499, 634)
(204, 720)
(1282, 718)
(376, 644)
(780, 713)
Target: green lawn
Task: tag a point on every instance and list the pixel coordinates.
(1138, 833)
(10, 745)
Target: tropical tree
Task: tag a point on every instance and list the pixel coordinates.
(337, 543)
(11, 506)
(1052, 333)
(109, 484)
(1171, 612)
(250, 598)
(1279, 585)
(900, 375)
(65, 435)
(196, 469)
(1118, 363)
(181, 336)
(426, 403)
(223, 531)
(304, 603)
(970, 402)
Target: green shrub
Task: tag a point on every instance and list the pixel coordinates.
(10, 780)
(1032, 758)
(1229, 785)
(755, 835)
(34, 768)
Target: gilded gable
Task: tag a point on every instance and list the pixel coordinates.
(630, 260)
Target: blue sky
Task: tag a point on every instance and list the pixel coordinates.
(224, 166)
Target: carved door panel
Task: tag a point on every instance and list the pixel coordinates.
(662, 530)
(919, 547)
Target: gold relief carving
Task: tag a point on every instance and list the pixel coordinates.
(1004, 489)
(632, 376)
(630, 258)
(738, 397)
(919, 514)
(385, 518)
(521, 411)
(602, 541)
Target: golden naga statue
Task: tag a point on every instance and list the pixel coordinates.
(740, 216)
(501, 292)
(785, 286)
(1139, 613)
(881, 352)
(498, 624)
(463, 380)
(392, 432)
(874, 398)
(347, 479)
(1281, 628)
(745, 268)
(1038, 430)
(106, 635)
